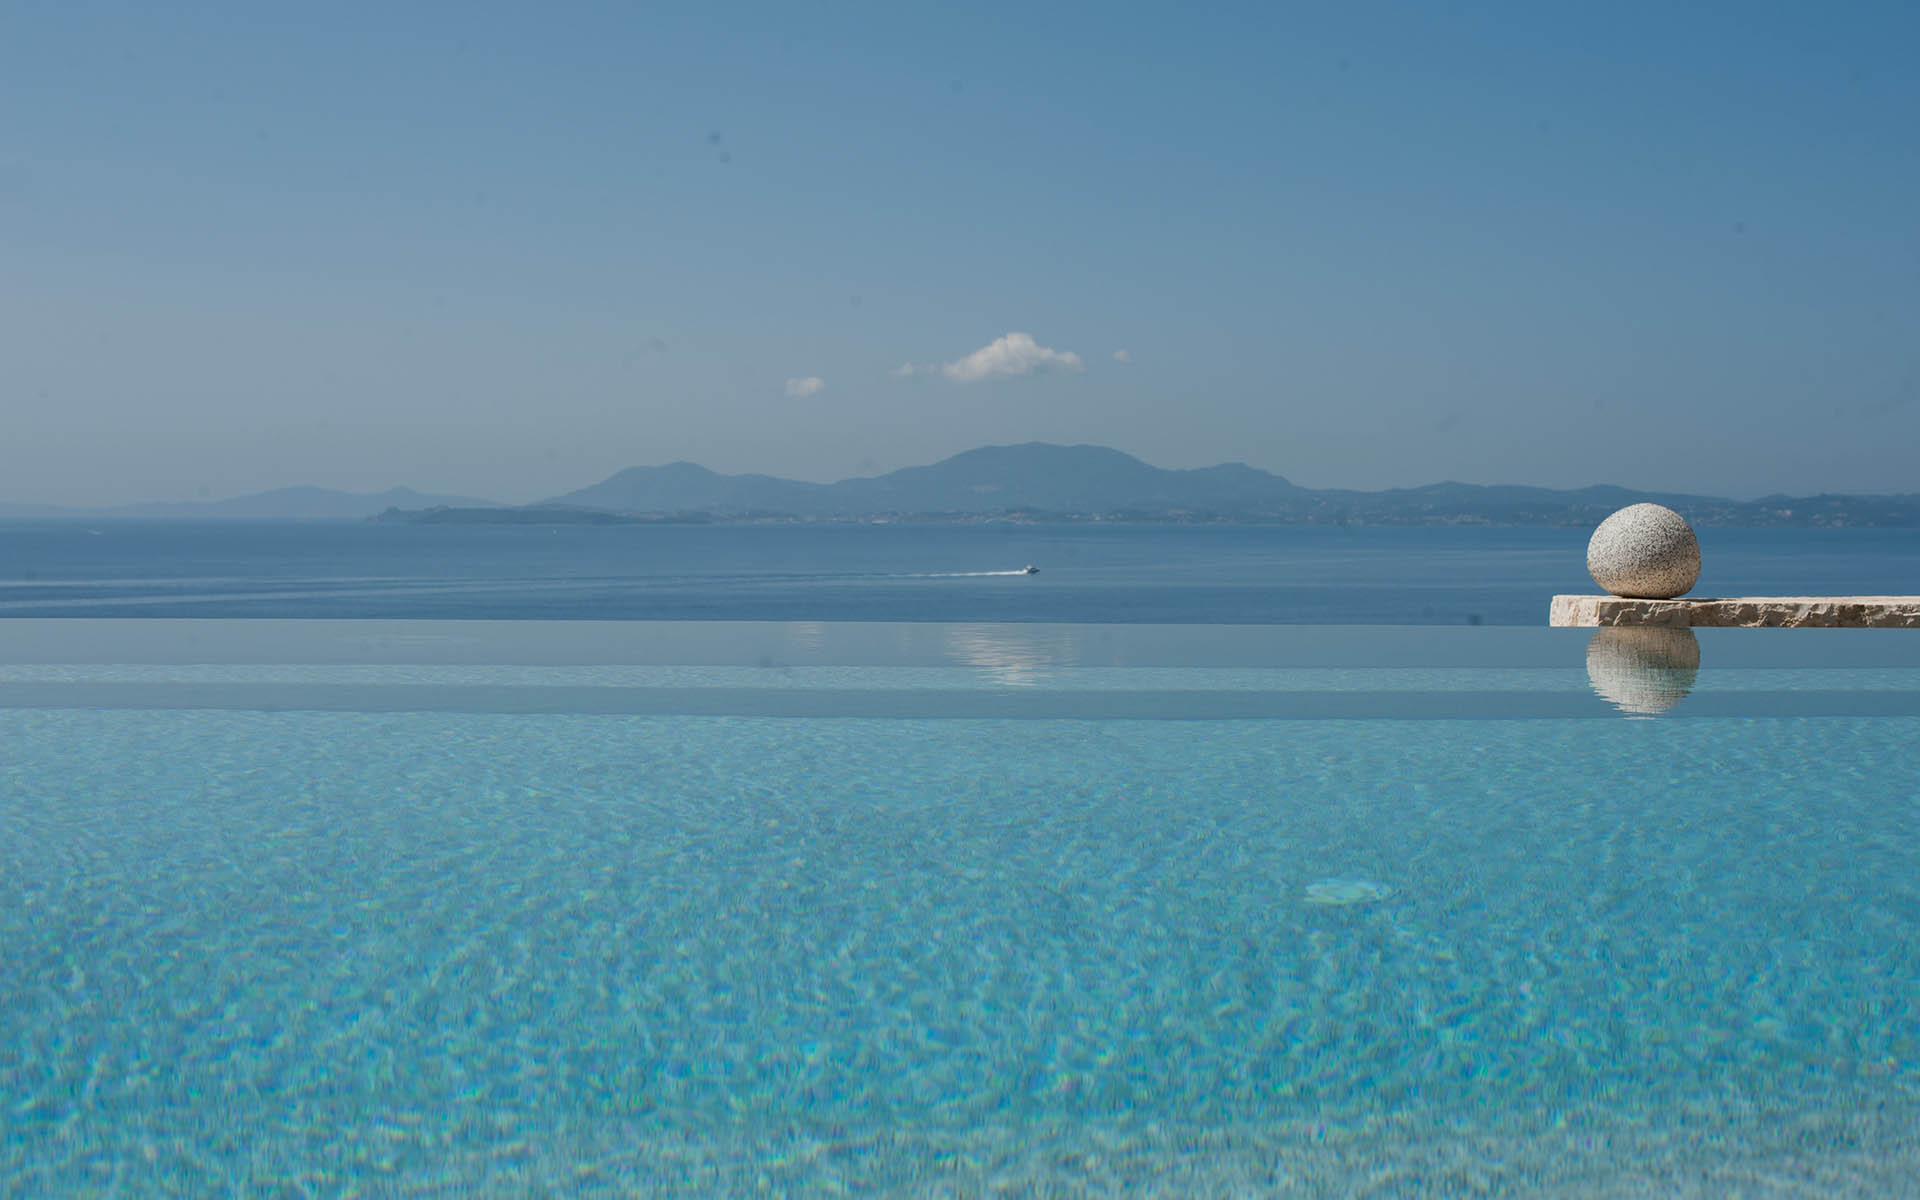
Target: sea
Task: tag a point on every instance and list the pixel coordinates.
(1090, 572)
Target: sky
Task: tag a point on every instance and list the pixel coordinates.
(505, 250)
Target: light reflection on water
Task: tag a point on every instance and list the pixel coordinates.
(1643, 671)
(1008, 656)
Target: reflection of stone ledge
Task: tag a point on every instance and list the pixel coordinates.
(1804, 612)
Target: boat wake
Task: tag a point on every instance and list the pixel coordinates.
(967, 574)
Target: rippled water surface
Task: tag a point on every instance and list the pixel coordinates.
(416, 944)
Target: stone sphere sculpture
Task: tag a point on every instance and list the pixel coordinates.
(1644, 552)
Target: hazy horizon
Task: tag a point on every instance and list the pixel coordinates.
(521, 496)
(505, 254)
(493, 497)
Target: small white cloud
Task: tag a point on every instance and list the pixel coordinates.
(806, 387)
(1123, 356)
(1008, 356)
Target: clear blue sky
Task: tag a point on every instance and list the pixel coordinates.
(507, 250)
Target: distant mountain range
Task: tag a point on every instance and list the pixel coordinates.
(1035, 478)
(1076, 482)
(1038, 481)
(1035, 481)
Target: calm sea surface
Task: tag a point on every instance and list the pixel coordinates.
(1105, 573)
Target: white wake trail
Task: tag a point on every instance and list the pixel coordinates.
(958, 574)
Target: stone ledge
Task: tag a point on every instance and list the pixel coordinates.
(1776, 612)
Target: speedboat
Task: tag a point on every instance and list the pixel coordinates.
(1031, 570)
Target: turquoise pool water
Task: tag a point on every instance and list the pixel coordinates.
(451, 909)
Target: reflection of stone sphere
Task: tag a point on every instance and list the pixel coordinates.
(1643, 670)
(1644, 552)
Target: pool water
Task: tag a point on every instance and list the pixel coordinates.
(457, 909)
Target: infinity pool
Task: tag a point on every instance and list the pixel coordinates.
(415, 908)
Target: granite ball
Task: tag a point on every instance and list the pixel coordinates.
(1644, 552)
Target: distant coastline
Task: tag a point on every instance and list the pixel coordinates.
(534, 515)
(1039, 483)
(1034, 483)
(1824, 512)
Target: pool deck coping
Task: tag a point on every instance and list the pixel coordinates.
(1772, 612)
